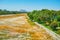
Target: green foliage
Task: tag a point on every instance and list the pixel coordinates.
(54, 25)
(58, 18)
(50, 18)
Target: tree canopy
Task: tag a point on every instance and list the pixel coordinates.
(50, 18)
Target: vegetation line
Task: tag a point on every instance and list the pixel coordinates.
(56, 36)
(49, 18)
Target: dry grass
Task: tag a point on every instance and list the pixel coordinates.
(18, 24)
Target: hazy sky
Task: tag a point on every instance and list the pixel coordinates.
(30, 4)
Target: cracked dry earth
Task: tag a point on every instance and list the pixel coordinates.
(18, 27)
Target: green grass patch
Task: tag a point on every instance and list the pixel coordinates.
(31, 23)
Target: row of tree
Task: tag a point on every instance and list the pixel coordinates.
(47, 17)
(3, 12)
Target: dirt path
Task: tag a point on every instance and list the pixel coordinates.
(49, 31)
